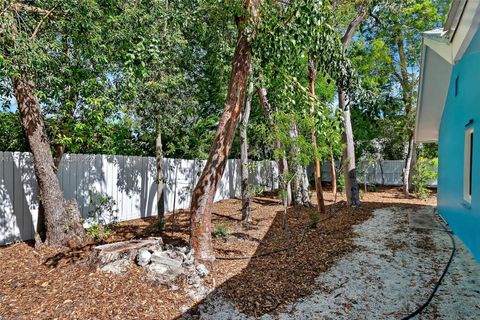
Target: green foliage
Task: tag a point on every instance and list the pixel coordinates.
(362, 194)
(110, 75)
(102, 218)
(424, 174)
(221, 231)
(314, 218)
(341, 183)
(158, 225)
(12, 137)
(395, 31)
(99, 232)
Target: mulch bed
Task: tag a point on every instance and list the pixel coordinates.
(48, 284)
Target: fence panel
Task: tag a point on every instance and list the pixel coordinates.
(131, 183)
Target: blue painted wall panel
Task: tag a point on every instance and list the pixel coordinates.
(459, 110)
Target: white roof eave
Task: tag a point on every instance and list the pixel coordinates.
(450, 43)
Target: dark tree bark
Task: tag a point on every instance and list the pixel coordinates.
(282, 163)
(204, 192)
(58, 220)
(246, 210)
(380, 164)
(160, 182)
(312, 76)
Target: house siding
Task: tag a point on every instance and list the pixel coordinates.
(462, 106)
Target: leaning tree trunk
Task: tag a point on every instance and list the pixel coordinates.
(58, 220)
(351, 185)
(282, 163)
(160, 182)
(204, 192)
(312, 75)
(246, 210)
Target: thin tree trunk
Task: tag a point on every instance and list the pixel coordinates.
(300, 187)
(58, 152)
(160, 182)
(351, 183)
(282, 163)
(413, 166)
(380, 163)
(204, 192)
(306, 194)
(333, 174)
(312, 75)
(296, 185)
(408, 166)
(407, 87)
(246, 210)
(51, 196)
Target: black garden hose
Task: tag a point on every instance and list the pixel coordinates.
(411, 315)
(437, 285)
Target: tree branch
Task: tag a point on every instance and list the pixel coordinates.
(39, 24)
(19, 7)
(347, 37)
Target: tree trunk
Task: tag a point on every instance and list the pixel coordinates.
(408, 166)
(246, 210)
(58, 152)
(57, 221)
(296, 185)
(413, 166)
(351, 184)
(306, 194)
(160, 182)
(204, 192)
(333, 175)
(300, 187)
(312, 75)
(380, 164)
(282, 163)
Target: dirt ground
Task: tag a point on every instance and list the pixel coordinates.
(390, 274)
(49, 284)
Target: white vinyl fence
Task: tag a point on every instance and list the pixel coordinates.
(385, 172)
(130, 183)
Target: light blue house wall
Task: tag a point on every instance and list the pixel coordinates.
(462, 106)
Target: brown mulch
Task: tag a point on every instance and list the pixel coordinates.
(48, 284)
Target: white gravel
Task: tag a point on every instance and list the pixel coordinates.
(389, 276)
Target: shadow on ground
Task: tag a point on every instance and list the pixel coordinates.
(269, 283)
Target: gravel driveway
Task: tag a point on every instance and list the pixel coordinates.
(393, 272)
